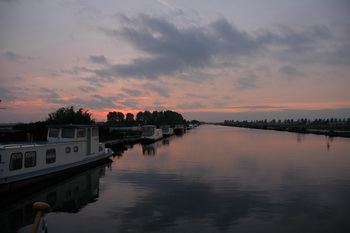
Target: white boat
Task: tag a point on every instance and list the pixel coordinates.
(68, 148)
(151, 133)
(167, 131)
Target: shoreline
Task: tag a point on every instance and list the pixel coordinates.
(330, 131)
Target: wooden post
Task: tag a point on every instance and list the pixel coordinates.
(41, 208)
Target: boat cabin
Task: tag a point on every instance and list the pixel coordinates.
(68, 133)
(67, 146)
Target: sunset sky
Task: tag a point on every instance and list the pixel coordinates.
(207, 60)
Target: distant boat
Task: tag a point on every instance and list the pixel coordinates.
(68, 148)
(167, 131)
(190, 126)
(179, 129)
(150, 133)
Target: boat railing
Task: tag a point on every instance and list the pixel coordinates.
(18, 145)
(24, 145)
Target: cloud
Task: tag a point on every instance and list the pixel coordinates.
(130, 103)
(132, 92)
(248, 82)
(199, 96)
(9, 1)
(50, 93)
(170, 48)
(15, 57)
(256, 107)
(8, 93)
(87, 89)
(98, 59)
(108, 99)
(51, 96)
(292, 72)
(160, 90)
(167, 4)
(193, 105)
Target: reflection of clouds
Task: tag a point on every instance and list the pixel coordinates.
(173, 200)
(264, 181)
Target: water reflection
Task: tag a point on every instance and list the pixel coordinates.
(227, 181)
(222, 179)
(151, 148)
(69, 196)
(172, 201)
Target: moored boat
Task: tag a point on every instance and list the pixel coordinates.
(179, 129)
(150, 133)
(167, 131)
(68, 147)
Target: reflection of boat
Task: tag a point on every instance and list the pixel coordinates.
(69, 147)
(69, 196)
(151, 148)
(179, 129)
(167, 131)
(150, 133)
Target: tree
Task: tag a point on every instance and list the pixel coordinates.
(70, 116)
(139, 116)
(115, 116)
(147, 116)
(112, 117)
(173, 118)
(155, 116)
(120, 116)
(129, 117)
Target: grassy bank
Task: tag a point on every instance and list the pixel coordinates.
(328, 130)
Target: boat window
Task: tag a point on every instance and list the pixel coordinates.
(68, 133)
(16, 161)
(100, 148)
(148, 131)
(95, 132)
(30, 159)
(50, 156)
(81, 133)
(53, 133)
(76, 148)
(67, 150)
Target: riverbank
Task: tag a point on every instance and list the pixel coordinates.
(327, 130)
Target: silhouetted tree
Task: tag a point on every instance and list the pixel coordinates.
(139, 116)
(120, 116)
(112, 117)
(147, 116)
(70, 116)
(129, 117)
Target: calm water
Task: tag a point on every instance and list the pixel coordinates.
(212, 179)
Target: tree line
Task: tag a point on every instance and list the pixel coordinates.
(302, 121)
(145, 117)
(68, 115)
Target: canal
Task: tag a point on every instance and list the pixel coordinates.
(211, 179)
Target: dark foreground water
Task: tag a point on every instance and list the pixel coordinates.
(212, 179)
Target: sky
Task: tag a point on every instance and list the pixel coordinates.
(207, 60)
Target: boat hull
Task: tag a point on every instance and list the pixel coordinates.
(50, 176)
(179, 130)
